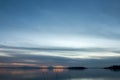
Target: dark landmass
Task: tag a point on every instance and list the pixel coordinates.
(114, 67)
(77, 68)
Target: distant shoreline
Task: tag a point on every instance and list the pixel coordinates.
(114, 67)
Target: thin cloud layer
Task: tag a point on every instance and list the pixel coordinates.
(59, 56)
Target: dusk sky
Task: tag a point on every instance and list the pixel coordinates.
(60, 32)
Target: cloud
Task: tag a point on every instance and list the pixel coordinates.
(60, 49)
(5, 55)
(55, 60)
(63, 51)
(60, 56)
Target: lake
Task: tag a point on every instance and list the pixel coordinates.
(58, 74)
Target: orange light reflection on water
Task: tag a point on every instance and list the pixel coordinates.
(44, 70)
(58, 70)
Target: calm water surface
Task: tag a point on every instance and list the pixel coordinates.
(59, 74)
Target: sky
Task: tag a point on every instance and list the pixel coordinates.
(60, 32)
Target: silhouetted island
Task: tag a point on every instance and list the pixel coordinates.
(77, 68)
(114, 67)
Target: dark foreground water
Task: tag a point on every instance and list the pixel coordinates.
(59, 74)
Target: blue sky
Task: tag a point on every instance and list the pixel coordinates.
(85, 31)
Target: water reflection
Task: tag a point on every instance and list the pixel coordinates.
(59, 74)
(116, 70)
(44, 70)
(59, 70)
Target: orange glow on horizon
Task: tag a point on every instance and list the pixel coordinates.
(16, 64)
(60, 67)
